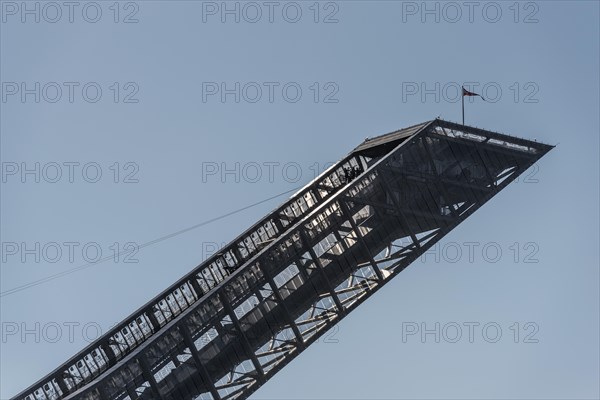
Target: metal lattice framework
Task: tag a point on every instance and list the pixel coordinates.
(229, 325)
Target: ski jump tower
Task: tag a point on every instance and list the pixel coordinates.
(228, 326)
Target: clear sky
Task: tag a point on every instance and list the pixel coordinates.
(167, 129)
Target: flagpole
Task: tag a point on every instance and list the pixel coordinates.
(462, 96)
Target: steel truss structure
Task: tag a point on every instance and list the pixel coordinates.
(224, 329)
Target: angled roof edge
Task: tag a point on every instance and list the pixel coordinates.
(396, 136)
(391, 137)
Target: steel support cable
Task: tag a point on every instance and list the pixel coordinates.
(143, 245)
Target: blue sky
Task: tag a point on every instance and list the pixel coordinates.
(164, 136)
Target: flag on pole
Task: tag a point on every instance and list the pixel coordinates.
(465, 92)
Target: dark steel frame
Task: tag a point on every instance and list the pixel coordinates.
(224, 329)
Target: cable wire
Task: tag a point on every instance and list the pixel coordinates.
(143, 245)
